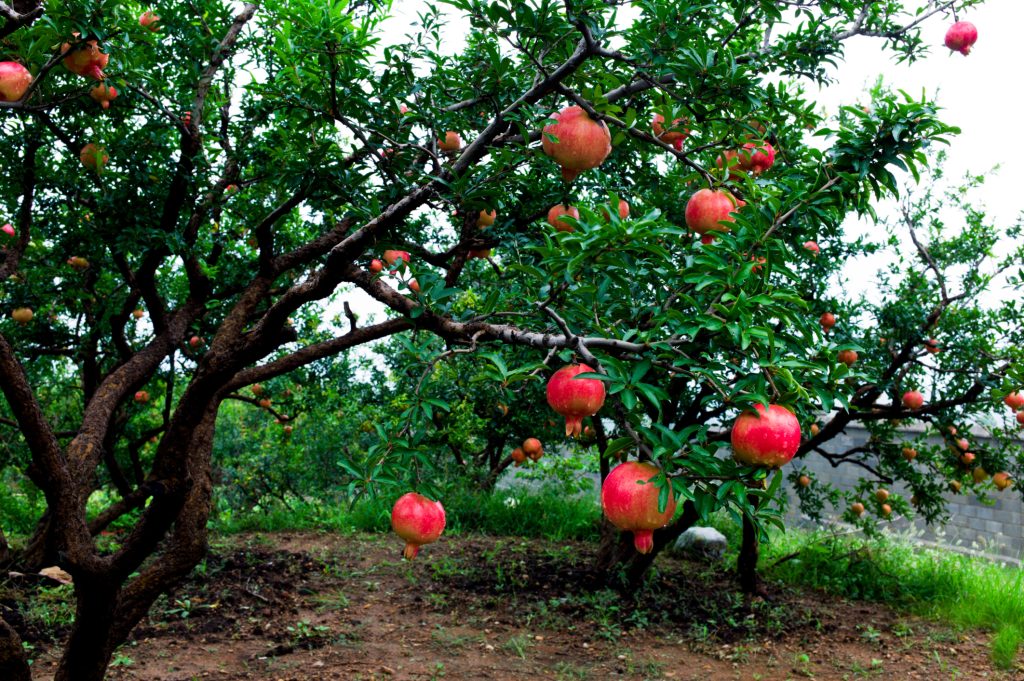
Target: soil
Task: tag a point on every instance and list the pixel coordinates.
(312, 607)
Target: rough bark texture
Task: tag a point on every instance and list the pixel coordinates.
(746, 563)
(13, 664)
(617, 557)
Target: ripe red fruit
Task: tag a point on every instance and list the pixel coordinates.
(882, 495)
(1020, 417)
(1014, 400)
(967, 458)
(86, 60)
(486, 218)
(804, 481)
(708, 209)
(1002, 480)
(847, 357)
(555, 217)
(149, 20)
(103, 94)
(583, 143)
(376, 266)
(533, 448)
(418, 521)
(813, 247)
(961, 36)
(963, 444)
(22, 315)
(451, 143)
(912, 399)
(765, 437)
(195, 341)
(886, 509)
(414, 286)
(8, 229)
(142, 397)
(265, 403)
(757, 157)
(674, 135)
(518, 456)
(575, 398)
(623, 210)
(392, 258)
(629, 498)
(909, 453)
(932, 346)
(79, 263)
(857, 508)
(94, 157)
(14, 81)
(827, 320)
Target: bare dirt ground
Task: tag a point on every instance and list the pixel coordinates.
(312, 607)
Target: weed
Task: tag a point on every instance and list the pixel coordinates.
(518, 644)
(1005, 645)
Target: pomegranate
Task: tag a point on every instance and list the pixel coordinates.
(583, 143)
(392, 258)
(480, 253)
(857, 508)
(708, 209)
(138, 314)
(909, 453)
(414, 286)
(961, 36)
(765, 437)
(623, 210)
(486, 218)
(812, 246)
(8, 229)
(967, 458)
(912, 399)
(804, 481)
(518, 456)
(575, 398)
(1014, 400)
(629, 498)
(14, 81)
(886, 509)
(827, 320)
(265, 403)
(103, 94)
(79, 263)
(22, 315)
(142, 397)
(149, 20)
(257, 389)
(932, 346)
(555, 217)
(533, 448)
(1020, 417)
(882, 495)
(847, 357)
(674, 135)
(757, 157)
(815, 429)
(955, 486)
(86, 60)
(94, 157)
(1002, 480)
(963, 444)
(418, 521)
(451, 143)
(376, 266)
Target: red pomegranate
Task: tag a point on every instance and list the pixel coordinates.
(149, 20)
(8, 229)
(533, 448)
(674, 135)
(912, 399)
(708, 209)
(555, 217)
(812, 246)
(847, 357)
(392, 258)
(451, 143)
(86, 60)
(94, 157)
(14, 81)
(575, 398)
(961, 36)
(142, 397)
(623, 210)
(583, 143)
(757, 157)
(376, 266)
(418, 521)
(931, 346)
(1020, 417)
(103, 94)
(629, 498)
(1014, 400)
(827, 320)
(767, 438)
(486, 219)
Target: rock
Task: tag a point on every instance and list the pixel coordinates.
(701, 542)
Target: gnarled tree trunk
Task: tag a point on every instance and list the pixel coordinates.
(616, 555)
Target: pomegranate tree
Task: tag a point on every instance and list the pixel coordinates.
(575, 398)
(583, 143)
(961, 36)
(708, 210)
(765, 437)
(14, 81)
(630, 500)
(418, 521)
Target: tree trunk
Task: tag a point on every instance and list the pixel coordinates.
(746, 563)
(618, 561)
(13, 663)
(89, 648)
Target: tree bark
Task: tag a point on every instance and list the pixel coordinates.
(13, 662)
(746, 562)
(616, 556)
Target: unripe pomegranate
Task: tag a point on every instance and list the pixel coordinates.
(288, 428)
(451, 143)
(79, 263)
(575, 398)
(8, 229)
(967, 458)
(815, 429)
(909, 453)
(103, 94)
(1014, 400)
(14, 81)
(674, 135)
(142, 397)
(486, 218)
(882, 495)
(765, 437)
(757, 157)
(804, 481)
(886, 509)
(979, 474)
(518, 456)
(257, 389)
(22, 315)
(827, 320)
(847, 357)
(963, 444)
(94, 157)
(629, 498)
(955, 486)
(418, 521)
(961, 36)
(392, 258)
(857, 508)
(912, 399)
(376, 266)
(709, 208)
(533, 448)
(138, 314)
(1002, 480)
(414, 286)
(265, 403)
(555, 217)
(813, 247)
(583, 143)
(86, 60)
(149, 20)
